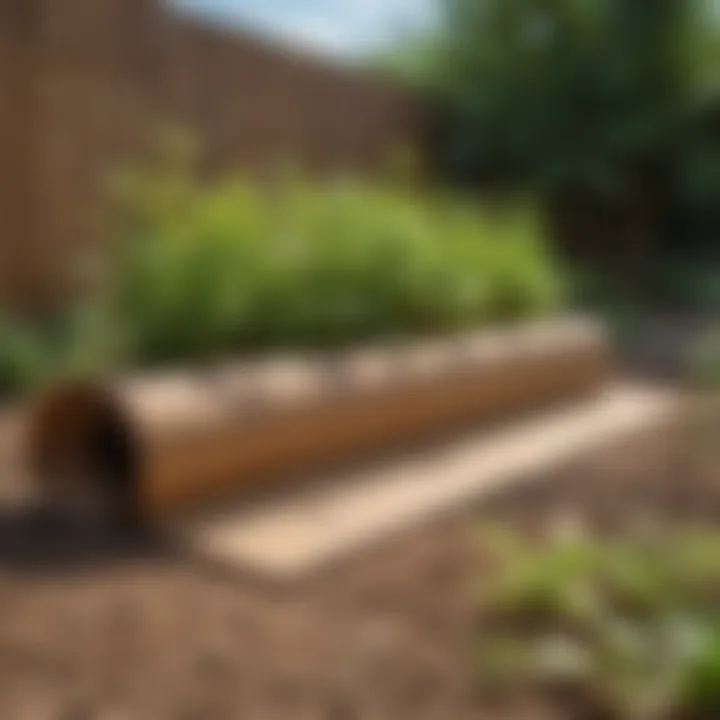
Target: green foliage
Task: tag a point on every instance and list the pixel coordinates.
(700, 690)
(705, 361)
(576, 96)
(670, 283)
(34, 352)
(624, 313)
(683, 285)
(632, 625)
(200, 270)
(22, 357)
(699, 160)
(225, 267)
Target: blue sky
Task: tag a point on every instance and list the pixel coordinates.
(342, 28)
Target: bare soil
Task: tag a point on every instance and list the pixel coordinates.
(98, 626)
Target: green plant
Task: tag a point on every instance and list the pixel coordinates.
(82, 339)
(704, 361)
(200, 270)
(700, 689)
(224, 267)
(22, 358)
(630, 625)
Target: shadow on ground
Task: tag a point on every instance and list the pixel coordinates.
(33, 540)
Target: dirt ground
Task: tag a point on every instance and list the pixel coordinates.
(133, 630)
(110, 628)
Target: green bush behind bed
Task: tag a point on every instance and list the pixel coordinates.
(203, 270)
(229, 267)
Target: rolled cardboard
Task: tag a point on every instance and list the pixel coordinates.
(156, 445)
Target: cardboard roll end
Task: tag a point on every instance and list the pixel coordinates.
(84, 454)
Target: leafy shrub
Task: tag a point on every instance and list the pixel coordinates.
(700, 689)
(202, 270)
(22, 357)
(630, 628)
(33, 352)
(225, 267)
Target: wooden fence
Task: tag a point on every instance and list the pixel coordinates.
(82, 82)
